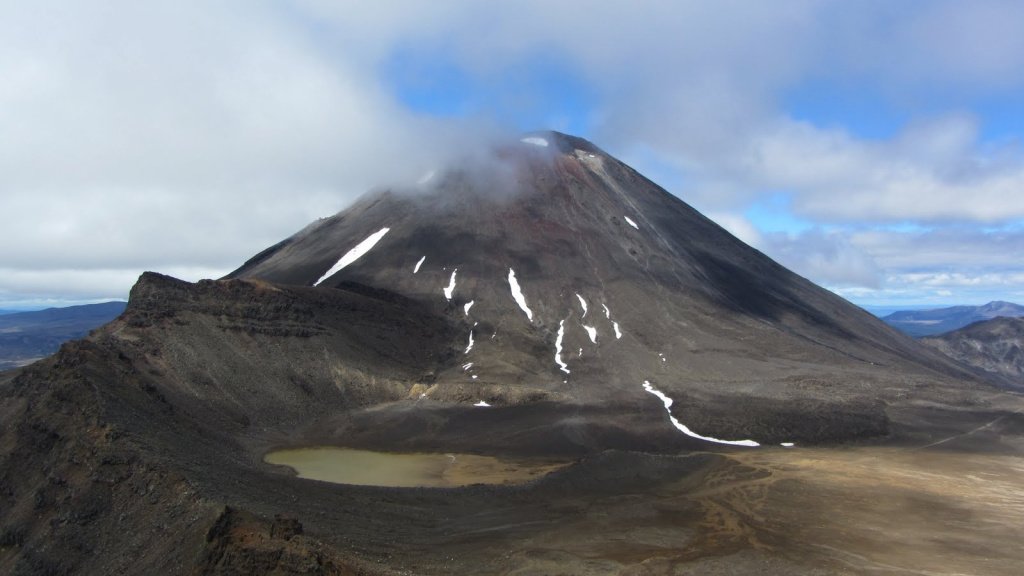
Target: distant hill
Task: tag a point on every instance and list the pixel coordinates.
(995, 345)
(919, 323)
(27, 336)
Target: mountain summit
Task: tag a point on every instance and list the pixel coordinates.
(575, 280)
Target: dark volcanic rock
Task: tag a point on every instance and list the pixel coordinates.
(995, 346)
(640, 286)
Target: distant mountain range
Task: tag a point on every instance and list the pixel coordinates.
(28, 336)
(919, 323)
(995, 346)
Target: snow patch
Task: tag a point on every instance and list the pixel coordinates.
(470, 347)
(482, 404)
(418, 264)
(517, 294)
(787, 444)
(615, 325)
(535, 140)
(467, 365)
(583, 304)
(468, 306)
(450, 288)
(592, 332)
(682, 428)
(630, 222)
(558, 348)
(354, 254)
(474, 376)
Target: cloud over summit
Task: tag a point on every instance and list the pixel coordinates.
(187, 135)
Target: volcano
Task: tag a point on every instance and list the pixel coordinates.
(571, 279)
(703, 409)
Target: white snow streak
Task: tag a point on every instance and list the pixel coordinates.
(592, 332)
(558, 348)
(470, 347)
(682, 428)
(354, 254)
(787, 444)
(536, 141)
(418, 264)
(468, 306)
(615, 325)
(467, 365)
(450, 288)
(482, 404)
(517, 294)
(630, 222)
(583, 304)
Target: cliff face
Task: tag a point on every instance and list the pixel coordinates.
(115, 454)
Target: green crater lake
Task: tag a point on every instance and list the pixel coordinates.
(369, 468)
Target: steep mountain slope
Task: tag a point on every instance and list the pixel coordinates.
(140, 448)
(621, 284)
(932, 322)
(26, 336)
(995, 346)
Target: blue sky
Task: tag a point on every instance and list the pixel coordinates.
(874, 147)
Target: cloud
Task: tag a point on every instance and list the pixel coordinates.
(933, 171)
(189, 135)
(948, 248)
(942, 265)
(61, 287)
(739, 227)
(171, 135)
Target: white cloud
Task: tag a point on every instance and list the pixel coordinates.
(962, 248)
(827, 258)
(65, 286)
(933, 171)
(942, 266)
(739, 227)
(190, 134)
(169, 135)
